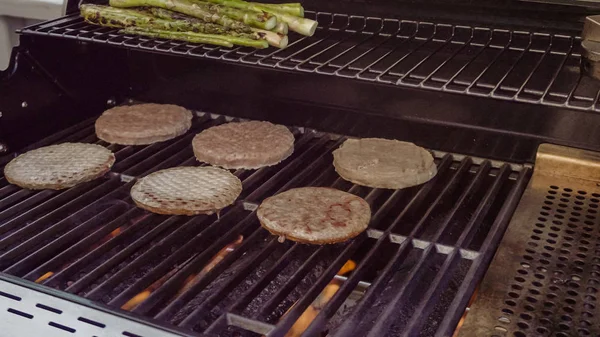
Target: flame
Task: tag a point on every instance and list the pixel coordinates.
(319, 303)
(137, 299)
(347, 267)
(190, 280)
(109, 236)
(44, 277)
(115, 232)
(49, 274)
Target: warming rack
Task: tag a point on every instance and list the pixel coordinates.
(513, 65)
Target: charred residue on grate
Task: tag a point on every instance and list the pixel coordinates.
(204, 273)
(555, 290)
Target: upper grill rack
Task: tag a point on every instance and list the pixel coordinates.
(509, 65)
(425, 251)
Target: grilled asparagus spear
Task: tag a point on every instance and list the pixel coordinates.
(295, 9)
(124, 18)
(262, 20)
(202, 32)
(281, 28)
(225, 16)
(297, 24)
(274, 39)
(221, 40)
(165, 34)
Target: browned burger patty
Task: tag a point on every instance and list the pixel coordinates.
(315, 215)
(383, 163)
(59, 166)
(143, 124)
(187, 190)
(244, 145)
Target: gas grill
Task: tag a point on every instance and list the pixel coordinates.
(502, 242)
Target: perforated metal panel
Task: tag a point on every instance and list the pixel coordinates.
(24, 312)
(545, 278)
(555, 289)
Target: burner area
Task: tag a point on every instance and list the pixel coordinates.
(411, 273)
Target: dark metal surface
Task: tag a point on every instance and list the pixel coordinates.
(426, 248)
(41, 94)
(594, 4)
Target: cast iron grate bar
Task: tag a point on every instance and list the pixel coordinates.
(217, 276)
(513, 65)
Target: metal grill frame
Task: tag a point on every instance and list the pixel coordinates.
(545, 277)
(147, 159)
(46, 306)
(510, 65)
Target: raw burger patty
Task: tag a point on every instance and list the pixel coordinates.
(244, 145)
(187, 190)
(59, 166)
(143, 124)
(316, 215)
(383, 163)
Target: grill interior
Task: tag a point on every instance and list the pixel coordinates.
(524, 66)
(415, 268)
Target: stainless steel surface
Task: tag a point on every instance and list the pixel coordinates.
(591, 28)
(590, 45)
(545, 277)
(590, 63)
(25, 312)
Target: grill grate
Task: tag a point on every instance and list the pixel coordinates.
(425, 251)
(509, 65)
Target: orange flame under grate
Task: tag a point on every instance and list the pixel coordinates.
(44, 277)
(189, 282)
(319, 303)
(111, 235)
